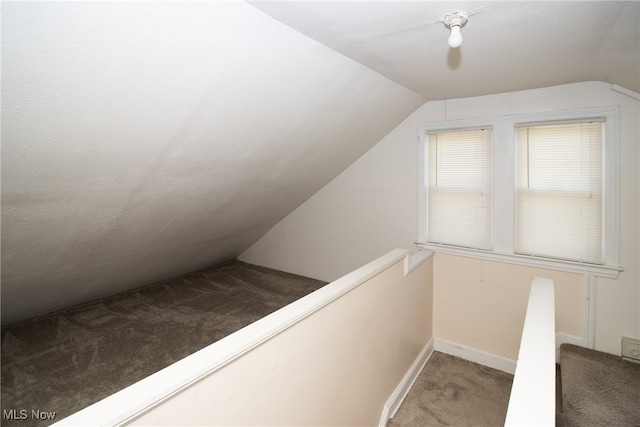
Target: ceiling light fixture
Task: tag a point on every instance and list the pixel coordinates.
(455, 20)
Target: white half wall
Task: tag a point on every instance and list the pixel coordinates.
(533, 393)
(371, 208)
(342, 355)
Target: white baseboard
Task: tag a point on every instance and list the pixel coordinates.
(474, 355)
(459, 350)
(397, 397)
(493, 361)
(566, 339)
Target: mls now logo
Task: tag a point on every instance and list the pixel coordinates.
(23, 414)
(15, 414)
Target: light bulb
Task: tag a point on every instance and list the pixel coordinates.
(455, 20)
(455, 38)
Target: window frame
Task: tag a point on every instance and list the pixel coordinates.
(504, 189)
(539, 194)
(427, 187)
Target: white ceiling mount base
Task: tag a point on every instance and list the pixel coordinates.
(458, 17)
(455, 20)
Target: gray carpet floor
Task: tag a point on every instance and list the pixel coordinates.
(598, 389)
(68, 360)
(594, 389)
(454, 392)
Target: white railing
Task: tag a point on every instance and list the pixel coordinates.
(333, 357)
(533, 394)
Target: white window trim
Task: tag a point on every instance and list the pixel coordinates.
(504, 190)
(427, 189)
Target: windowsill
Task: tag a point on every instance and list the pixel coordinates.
(606, 271)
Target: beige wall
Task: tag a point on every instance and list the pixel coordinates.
(482, 304)
(336, 367)
(371, 207)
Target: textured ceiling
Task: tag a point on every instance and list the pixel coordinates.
(143, 140)
(508, 45)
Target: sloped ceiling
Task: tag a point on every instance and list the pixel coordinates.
(508, 45)
(144, 140)
(141, 141)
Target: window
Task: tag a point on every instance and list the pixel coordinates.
(539, 189)
(459, 188)
(559, 191)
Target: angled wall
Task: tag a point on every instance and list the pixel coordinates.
(144, 140)
(371, 207)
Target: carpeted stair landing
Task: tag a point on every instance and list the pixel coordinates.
(598, 389)
(451, 391)
(594, 389)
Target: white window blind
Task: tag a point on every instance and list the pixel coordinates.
(459, 188)
(559, 191)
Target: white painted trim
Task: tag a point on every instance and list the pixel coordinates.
(474, 355)
(532, 401)
(589, 312)
(610, 272)
(421, 188)
(562, 338)
(503, 244)
(130, 403)
(496, 362)
(625, 91)
(392, 404)
(415, 260)
(611, 187)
